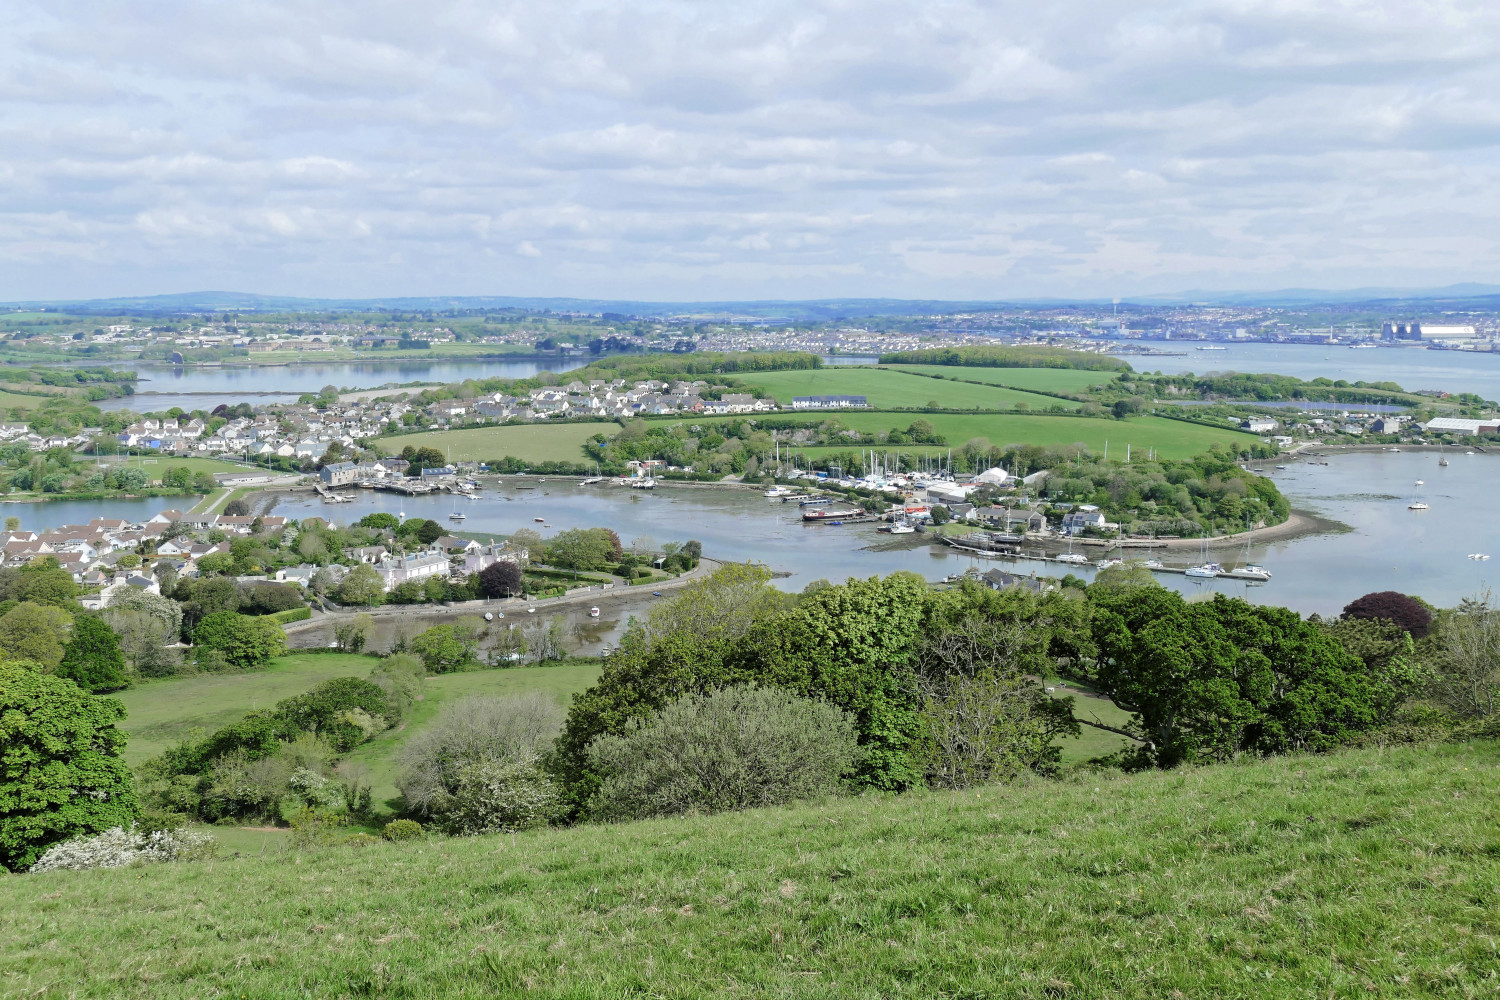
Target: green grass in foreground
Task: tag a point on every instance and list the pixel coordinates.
(886, 387)
(1043, 379)
(1355, 874)
(528, 442)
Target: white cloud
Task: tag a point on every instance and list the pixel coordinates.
(674, 149)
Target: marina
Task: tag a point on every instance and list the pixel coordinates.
(1319, 572)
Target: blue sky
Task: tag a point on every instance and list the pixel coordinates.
(756, 150)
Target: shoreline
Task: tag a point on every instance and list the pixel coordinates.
(1299, 524)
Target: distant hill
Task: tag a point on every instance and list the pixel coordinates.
(768, 311)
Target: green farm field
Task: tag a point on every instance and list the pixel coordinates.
(1171, 438)
(154, 467)
(889, 388)
(528, 442)
(1041, 379)
(1352, 874)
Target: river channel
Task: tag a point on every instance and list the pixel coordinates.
(1412, 368)
(1389, 547)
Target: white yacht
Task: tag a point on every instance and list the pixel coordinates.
(902, 528)
(1204, 571)
(1417, 505)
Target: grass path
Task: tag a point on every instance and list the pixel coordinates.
(1362, 873)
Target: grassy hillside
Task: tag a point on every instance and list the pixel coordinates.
(891, 388)
(161, 713)
(529, 442)
(1362, 873)
(1043, 379)
(561, 681)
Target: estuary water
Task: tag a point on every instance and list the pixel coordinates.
(162, 387)
(1388, 548)
(1410, 368)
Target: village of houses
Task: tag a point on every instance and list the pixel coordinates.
(91, 553)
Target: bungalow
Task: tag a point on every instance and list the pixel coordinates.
(998, 579)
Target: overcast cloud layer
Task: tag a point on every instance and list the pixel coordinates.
(745, 150)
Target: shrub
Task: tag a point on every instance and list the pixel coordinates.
(361, 839)
(342, 711)
(269, 598)
(292, 615)
(118, 847)
(473, 731)
(1387, 605)
(61, 770)
(446, 648)
(736, 748)
(400, 676)
(401, 829)
(499, 796)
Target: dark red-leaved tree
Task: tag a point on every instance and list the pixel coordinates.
(501, 579)
(1386, 605)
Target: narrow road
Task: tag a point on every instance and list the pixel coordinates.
(326, 619)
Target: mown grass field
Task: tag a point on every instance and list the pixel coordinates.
(890, 388)
(1170, 438)
(1042, 379)
(528, 442)
(155, 467)
(1361, 873)
(14, 400)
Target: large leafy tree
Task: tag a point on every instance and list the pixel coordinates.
(36, 632)
(680, 647)
(1210, 680)
(92, 658)
(61, 770)
(244, 641)
(501, 579)
(362, 587)
(1407, 613)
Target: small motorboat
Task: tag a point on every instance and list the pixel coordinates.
(539, 520)
(593, 612)
(1478, 556)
